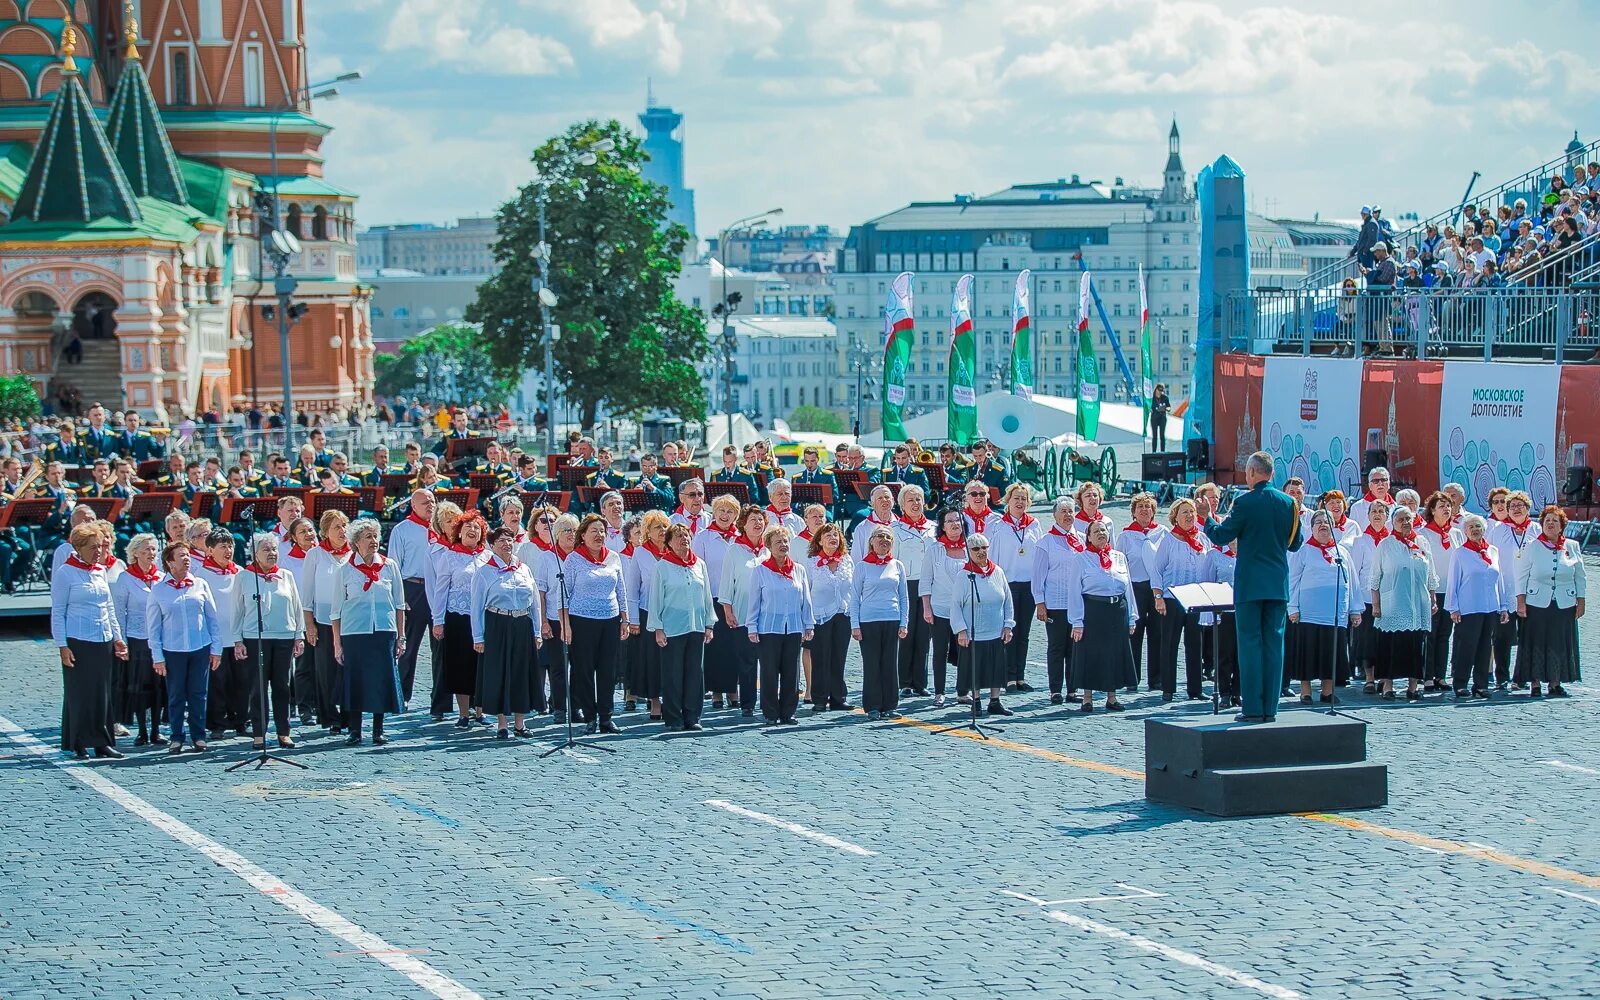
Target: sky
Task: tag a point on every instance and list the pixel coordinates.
(842, 110)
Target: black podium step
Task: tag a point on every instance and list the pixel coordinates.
(1294, 738)
(1262, 791)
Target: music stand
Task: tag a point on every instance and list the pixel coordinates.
(641, 500)
(27, 513)
(395, 484)
(848, 478)
(105, 508)
(544, 498)
(1215, 598)
(371, 498)
(254, 510)
(739, 491)
(148, 507)
(486, 483)
(935, 473)
(810, 493)
(149, 468)
(679, 474)
(555, 463)
(465, 499)
(291, 491)
(348, 504)
(864, 489)
(458, 449)
(972, 722)
(572, 477)
(204, 503)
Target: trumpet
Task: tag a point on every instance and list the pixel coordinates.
(29, 478)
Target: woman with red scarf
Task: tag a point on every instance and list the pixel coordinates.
(1403, 582)
(269, 627)
(1477, 600)
(411, 545)
(829, 571)
(1138, 542)
(723, 654)
(982, 617)
(597, 616)
(733, 598)
(505, 633)
(947, 553)
(1180, 558)
(1363, 551)
(555, 590)
(185, 645)
(681, 629)
(1055, 558)
(879, 620)
(321, 574)
(644, 660)
(1438, 532)
(1101, 611)
(369, 631)
(1012, 539)
(1321, 598)
(451, 603)
(977, 512)
(143, 693)
(1551, 588)
(778, 617)
(228, 700)
(83, 623)
(1512, 536)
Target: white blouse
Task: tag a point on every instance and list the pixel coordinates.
(738, 566)
(1053, 560)
(863, 535)
(644, 568)
(81, 606)
(779, 604)
(712, 547)
(222, 587)
(878, 593)
(597, 588)
(367, 610)
(181, 619)
(1362, 553)
(1011, 545)
(1321, 586)
(452, 581)
(282, 615)
(681, 598)
(320, 579)
(911, 545)
(1544, 575)
(129, 595)
(1176, 562)
(1405, 582)
(830, 586)
(1086, 577)
(1511, 541)
(1139, 547)
(1476, 585)
(505, 588)
(945, 577)
(992, 612)
(1441, 553)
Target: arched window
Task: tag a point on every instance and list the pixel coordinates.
(180, 88)
(319, 223)
(293, 223)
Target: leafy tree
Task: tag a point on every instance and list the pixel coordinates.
(626, 341)
(18, 400)
(815, 418)
(472, 375)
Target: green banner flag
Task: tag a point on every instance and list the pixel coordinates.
(1147, 370)
(899, 331)
(962, 410)
(1021, 340)
(1088, 369)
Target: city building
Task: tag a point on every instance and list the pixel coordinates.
(780, 363)
(138, 167)
(804, 289)
(1319, 243)
(1054, 229)
(466, 247)
(663, 142)
(406, 304)
(757, 249)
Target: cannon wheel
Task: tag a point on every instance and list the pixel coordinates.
(1108, 472)
(1052, 472)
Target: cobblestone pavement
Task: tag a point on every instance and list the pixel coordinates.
(842, 858)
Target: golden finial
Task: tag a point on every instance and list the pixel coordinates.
(69, 45)
(130, 31)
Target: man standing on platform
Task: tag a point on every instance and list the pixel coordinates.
(1266, 525)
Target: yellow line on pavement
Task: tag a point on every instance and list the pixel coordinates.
(1488, 854)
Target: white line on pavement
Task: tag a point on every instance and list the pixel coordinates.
(1177, 955)
(1571, 767)
(269, 885)
(795, 828)
(1575, 895)
(1133, 892)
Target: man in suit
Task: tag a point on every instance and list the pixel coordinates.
(97, 441)
(989, 469)
(253, 476)
(278, 474)
(902, 471)
(172, 476)
(458, 432)
(733, 472)
(1266, 525)
(65, 448)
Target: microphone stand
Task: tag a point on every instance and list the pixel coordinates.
(972, 721)
(566, 665)
(262, 758)
(1338, 624)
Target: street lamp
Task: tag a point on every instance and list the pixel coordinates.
(547, 297)
(864, 362)
(729, 305)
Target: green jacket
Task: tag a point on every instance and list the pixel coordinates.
(1266, 524)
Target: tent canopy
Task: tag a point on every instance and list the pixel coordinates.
(1053, 417)
(716, 426)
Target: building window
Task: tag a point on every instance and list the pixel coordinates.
(254, 90)
(179, 86)
(293, 223)
(319, 223)
(211, 21)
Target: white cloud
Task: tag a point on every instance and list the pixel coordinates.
(462, 34)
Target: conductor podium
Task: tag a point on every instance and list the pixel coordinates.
(1304, 761)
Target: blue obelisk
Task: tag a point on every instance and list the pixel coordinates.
(1224, 268)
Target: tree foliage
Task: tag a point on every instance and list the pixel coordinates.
(625, 339)
(815, 418)
(18, 400)
(473, 375)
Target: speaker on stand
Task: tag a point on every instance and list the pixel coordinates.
(1579, 485)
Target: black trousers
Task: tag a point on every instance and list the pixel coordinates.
(1158, 433)
(277, 657)
(914, 647)
(330, 679)
(240, 687)
(830, 642)
(942, 642)
(304, 682)
(595, 645)
(418, 620)
(1146, 633)
(219, 700)
(440, 701)
(1226, 672)
(1439, 643)
(1058, 648)
(1505, 636)
(747, 661)
(1177, 624)
(880, 666)
(1474, 648)
(553, 662)
(683, 677)
(779, 655)
(1017, 651)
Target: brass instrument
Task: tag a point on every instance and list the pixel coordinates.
(926, 456)
(34, 472)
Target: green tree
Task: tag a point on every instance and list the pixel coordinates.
(815, 418)
(626, 341)
(18, 400)
(414, 369)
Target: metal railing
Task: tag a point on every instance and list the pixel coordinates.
(1532, 184)
(1511, 322)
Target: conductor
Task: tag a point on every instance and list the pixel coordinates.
(1266, 524)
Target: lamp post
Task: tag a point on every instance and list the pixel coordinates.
(729, 305)
(863, 361)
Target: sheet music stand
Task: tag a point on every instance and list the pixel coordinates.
(105, 508)
(935, 473)
(848, 478)
(641, 500)
(572, 477)
(545, 498)
(457, 449)
(27, 513)
(395, 484)
(1215, 598)
(678, 474)
(864, 489)
(152, 507)
(465, 499)
(291, 491)
(348, 504)
(262, 510)
(555, 463)
(371, 498)
(739, 491)
(810, 493)
(486, 483)
(204, 503)
(149, 468)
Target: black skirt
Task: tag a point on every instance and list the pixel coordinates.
(643, 658)
(988, 663)
(142, 689)
(371, 673)
(1321, 652)
(722, 664)
(1402, 655)
(1548, 653)
(1103, 659)
(1364, 641)
(505, 669)
(460, 675)
(86, 722)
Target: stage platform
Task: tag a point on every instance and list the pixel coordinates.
(33, 603)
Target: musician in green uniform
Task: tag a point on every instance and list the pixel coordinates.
(988, 467)
(133, 443)
(253, 476)
(1265, 524)
(64, 448)
(733, 472)
(901, 470)
(339, 463)
(380, 467)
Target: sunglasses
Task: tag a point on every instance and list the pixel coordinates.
(694, 493)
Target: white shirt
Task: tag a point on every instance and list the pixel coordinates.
(182, 619)
(1511, 541)
(831, 586)
(644, 564)
(1316, 584)
(296, 565)
(1176, 562)
(712, 547)
(778, 604)
(547, 571)
(863, 535)
(1345, 533)
(222, 585)
(129, 595)
(1220, 567)
(1441, 554)
(789, 519)
(1053, 561)
(1358, 510)
(1362, 552)
(1089, 578)
(319, 579)
(512, 588)
(363, 610)
(980, 525)
(1476, 585)
(697, 522)
(878, 593)
(680, 597)
(1139, 547)
(1011, 544)
(614, 538)
(452, 581)
(738, 566)
(282, 615)
(993, 611)
(597, 589)
(81, 606)
(1405, 582)
(911, 546)
(1544, 576)
(943, 571)
(409, 547)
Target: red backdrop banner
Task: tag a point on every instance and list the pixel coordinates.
(1577, 416)
(1400, 400)
(1236, 411)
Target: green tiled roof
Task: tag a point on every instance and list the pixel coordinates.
(140, 141)
(306, 186)
(74, 176)
(14, 157)
(158, 220)
(208, 186)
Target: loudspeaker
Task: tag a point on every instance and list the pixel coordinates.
(1579, 487)
(1374, 458)
(1199, 453)
(1162, 466)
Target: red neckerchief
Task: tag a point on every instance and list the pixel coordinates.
(1143, 529)
(831, 562)
(694, 520)
(1229, 554)
(806, 534)
(1324, 549)
(1097, 517)
(627, 550)
(1104, 554)
(598, 560)
(1190, 538)
(509, 568)
(1018, 526)
(330, 550)
(369, 570)
(1376, 536)
(747, 543)
(149, 578)
(1481, 548)
(1558, 547)
(660, 553)
(1341, 525)
(916, 525)
(779, 513)
(1072, 540)
(978, 518)
(77, 563)
(672, 557)
(1518, 528)
(1409, 541)
(786, 571)
(175, 584)
(1443, 533)
(877, 560)
(1369, 498)
(541, 544)
(109, 564)
(433, 536)
(296, 552)
(953, 547)
(463, 550)
(986, 571)
(258, 571)
(211, 564)
(1496, 520)
(726, 533)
